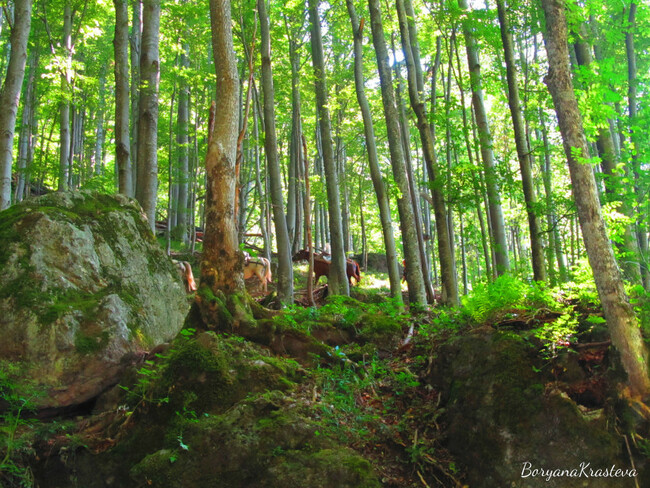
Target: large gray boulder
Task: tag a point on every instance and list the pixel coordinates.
(84, 290)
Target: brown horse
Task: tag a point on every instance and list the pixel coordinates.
(185, 270)
(260, 267)
(322, 266)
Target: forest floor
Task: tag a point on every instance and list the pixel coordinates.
(393, 400)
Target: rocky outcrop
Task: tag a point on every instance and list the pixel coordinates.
(84, 290)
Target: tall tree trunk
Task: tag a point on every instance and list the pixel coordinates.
(642, 228)
(628, 247)
(523, 151)
(415, 280)
(449, 281)
(122, 142)
(500, 247)
(28, 129)
(295, 148)
(135, 42)
(476, 179)
(337, 278)
(147, 181)
(10, 95)
(373, 159)
(222, 283)
(552, 219)
(64, 106)
(182, 139)
(285, 265)
(621, 320)
(310, 245)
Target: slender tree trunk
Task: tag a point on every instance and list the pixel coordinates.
(628, 247)
(135, 43)
(295, 148)
(621, 320)
(415, 280)
(285, 266)
(310, 245)
(373, 159)
(122, 142)
(147, 181)
(485, 139)
(28, 129)
(182, 139)
(449, 281)
(523, 151)
(64, 106)
(642, 228)
(476, 180)
(337, 278)
(10, 94)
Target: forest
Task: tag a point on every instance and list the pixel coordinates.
(464, 179)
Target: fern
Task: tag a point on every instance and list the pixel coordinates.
(488, 300)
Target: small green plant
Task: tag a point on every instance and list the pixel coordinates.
(557, 334)
(488, 300)
(15, 428)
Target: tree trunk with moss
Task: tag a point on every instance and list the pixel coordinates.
(222, 297)
(621, 320)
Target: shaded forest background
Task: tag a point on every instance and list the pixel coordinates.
(468, 158)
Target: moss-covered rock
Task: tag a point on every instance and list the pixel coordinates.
(84, 288)
(262, 442)
(505, 418)
(227, 419)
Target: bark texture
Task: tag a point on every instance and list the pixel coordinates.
(147, 180)
(621, 320)
(373, 159)
(415, 280)
(415, 82)
(500, 247)
(10, 95)
(337, 279)
(122, 139)
(285, 265)
(523, 151)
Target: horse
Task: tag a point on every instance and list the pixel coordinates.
(185, 270)
(322, 266)
(260, 267)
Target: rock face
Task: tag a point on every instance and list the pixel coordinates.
(84, 289)
(508, 424)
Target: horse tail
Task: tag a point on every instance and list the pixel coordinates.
(358, 270)
(267, 264)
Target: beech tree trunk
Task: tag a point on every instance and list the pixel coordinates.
(621, 320)
(373, 159)
(414, 277)
(641, 225)
(448, 275)
(28, 129)
(182, 139)
(337, 279)
(147, 181)
(523, 151)
(10, 94)
(500, 246)
(64, 107)
(122, 140)
(285, 265)
(135, 43)
(221, 267)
